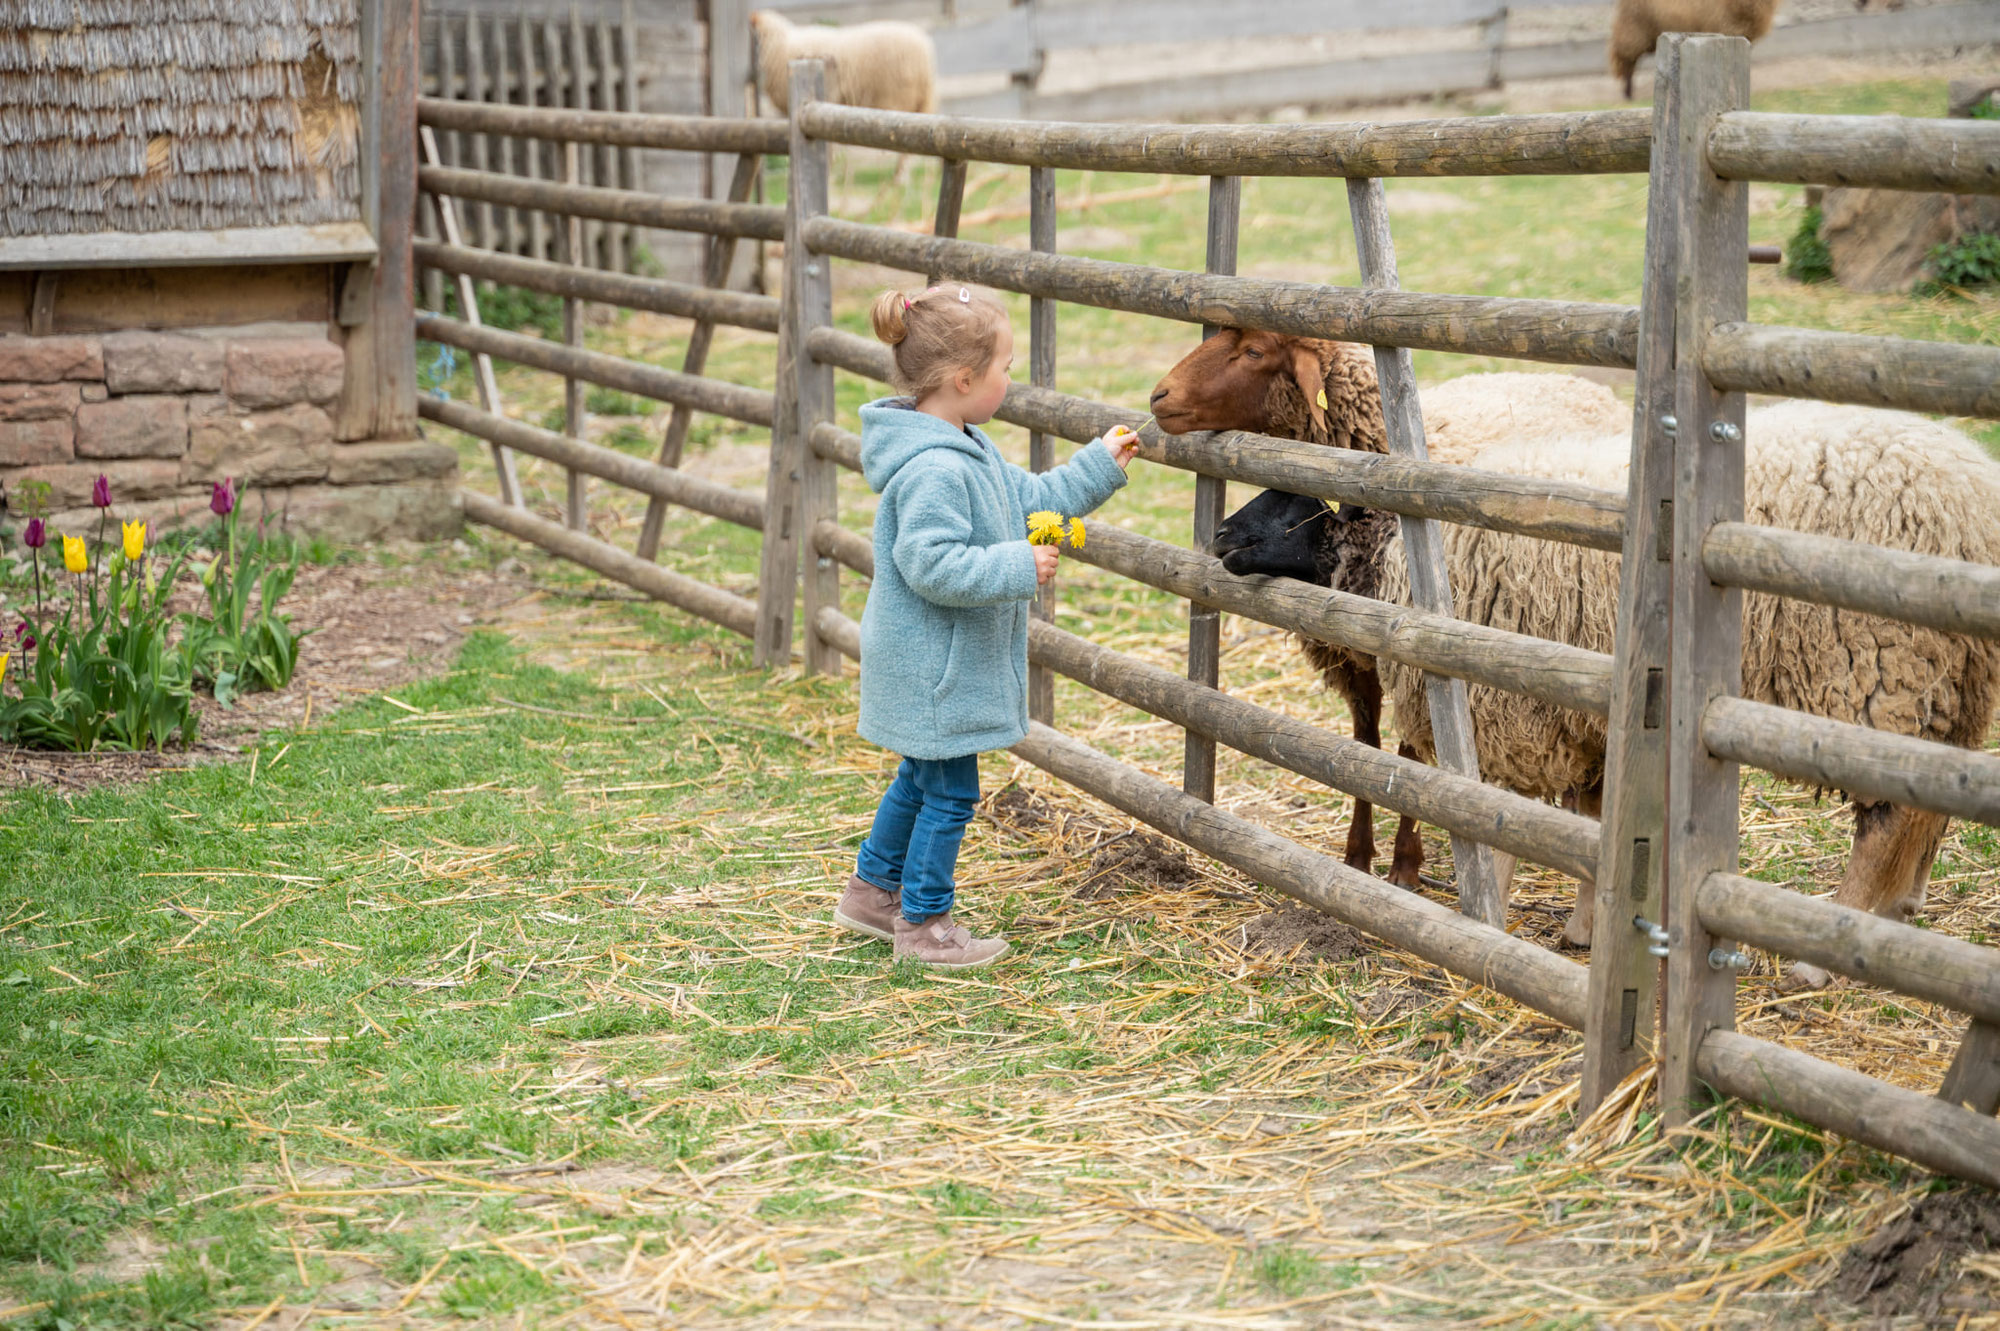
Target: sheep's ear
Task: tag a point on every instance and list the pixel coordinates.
(1311, 379)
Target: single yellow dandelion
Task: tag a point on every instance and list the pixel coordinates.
(1076, 533)
(1045, 528)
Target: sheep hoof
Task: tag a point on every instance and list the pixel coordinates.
(1405, 877)
(1801, 975)
(1576, 931)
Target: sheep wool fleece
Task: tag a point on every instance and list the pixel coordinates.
(944, 639)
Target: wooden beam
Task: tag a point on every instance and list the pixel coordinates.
(811, 277)
(1864, 152)
(1479, 889)
(768, 136)
(1211, 503)
(1624, 975)
(681, 299)
(1951, 595)
(1567, 332)
(1973, 1080)
(1042, 374)
(1711, 235)
(1946, 377)
(615, 205)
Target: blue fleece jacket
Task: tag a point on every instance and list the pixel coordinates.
(944, 640)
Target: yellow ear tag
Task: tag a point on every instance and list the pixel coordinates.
(1322, 397)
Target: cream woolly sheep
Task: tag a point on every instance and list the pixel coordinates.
(1889, 478)
(1465, 415)
(1636, 25)
(885, 64)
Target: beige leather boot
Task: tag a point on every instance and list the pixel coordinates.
(868, 909)
(947, 946)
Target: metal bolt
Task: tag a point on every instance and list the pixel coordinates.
(1722, 432)
(824, 564)
(1723, 961)
(1657, 937)
(1669, 426)
(812, 270)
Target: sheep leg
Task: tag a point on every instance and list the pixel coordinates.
(1889, 872)
(1364, 700)
(1406, 869)
(1582, 919)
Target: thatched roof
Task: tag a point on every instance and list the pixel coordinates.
(178, 115)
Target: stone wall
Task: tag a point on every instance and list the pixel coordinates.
(167, 414)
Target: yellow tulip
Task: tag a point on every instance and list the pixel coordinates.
(135, 539)
(76, 557)
(3, 664)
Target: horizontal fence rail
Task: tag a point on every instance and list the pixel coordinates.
(1946, 377)
(1577, 143)
(1950, 595)
(656, 295)
(1876, 152)
(1567, 332)
(756, 220)
(1867, 764)
(1519, 969)
(735, 613)
(1854, 943)
(1923, 1128)
(614, 129)
(749, 405)
(745, 508)
(1527, 505)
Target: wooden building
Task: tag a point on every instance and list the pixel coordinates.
(204, 262)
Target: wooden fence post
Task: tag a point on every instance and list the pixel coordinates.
(1479, 894)
(1042, 374)
(1211, 502)
(1711, 225)
(788, 514)
(1624, 971)
(577, 507)
(950, 200)
(531, 149)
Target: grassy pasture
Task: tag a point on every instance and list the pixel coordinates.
(507, 999)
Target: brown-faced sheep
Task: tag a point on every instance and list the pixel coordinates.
(1324, 393)
(885, 64)
(1636, 26)
(1889, 478)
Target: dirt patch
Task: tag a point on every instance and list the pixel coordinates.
(1136, 861)
(1303, 932)
(1020, 810)
(374, 626)
(1908, 1267)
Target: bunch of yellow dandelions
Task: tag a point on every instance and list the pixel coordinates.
(1046, 528)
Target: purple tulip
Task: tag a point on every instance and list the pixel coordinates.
(100, 491)
(223, 500)
(37, 534)
(22, 638)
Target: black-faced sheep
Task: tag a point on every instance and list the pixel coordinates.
(886, 64)
(1636, 25)
(1888, 478)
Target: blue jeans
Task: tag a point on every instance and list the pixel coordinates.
(913, 847)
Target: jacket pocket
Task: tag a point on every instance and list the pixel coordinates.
(954, 665)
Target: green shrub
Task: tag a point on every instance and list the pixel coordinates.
(1807, 258)
(512, 308)
(1970, 261)
(1988, 109)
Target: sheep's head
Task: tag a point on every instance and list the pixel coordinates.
(1284, 535)
(1230, 382)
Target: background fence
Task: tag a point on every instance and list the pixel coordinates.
(1663, 854)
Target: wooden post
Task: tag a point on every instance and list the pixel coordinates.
(532, 150)
(513, 222)
(555, 89)
(1042, 374)
(1711, 232)
(950, 200)
(451, 144)
(729, 74)
(1624, 975)
(1211, 503)
(812, 275)
(721, 258)
(786, 536)
(1974, 1078)
(628, 100)
(480, 216)
(1423, 545)
(379, 390)
(610, 160)
(577, 507)
(482, 364)
(426, 224)
(580, 85)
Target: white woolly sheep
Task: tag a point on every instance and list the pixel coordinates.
(1889, 478)
(885, 64)
(1636, 25)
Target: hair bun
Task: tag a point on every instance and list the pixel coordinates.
(887, 317)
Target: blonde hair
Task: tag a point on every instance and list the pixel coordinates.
(937, 333)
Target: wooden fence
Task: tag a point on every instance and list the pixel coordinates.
(1663, 856)
(1016, 40)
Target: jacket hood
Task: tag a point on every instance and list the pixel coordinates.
(893, 431)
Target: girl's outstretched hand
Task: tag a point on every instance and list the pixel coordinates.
(1046, 559)
(1123, 444)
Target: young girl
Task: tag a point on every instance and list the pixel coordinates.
(944, 640)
